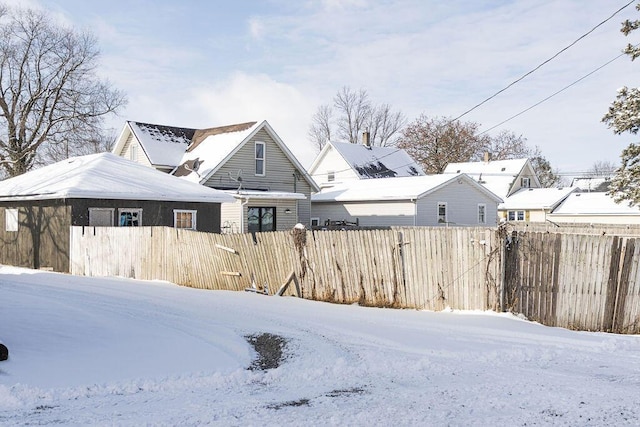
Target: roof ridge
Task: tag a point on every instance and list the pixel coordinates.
(202, 134)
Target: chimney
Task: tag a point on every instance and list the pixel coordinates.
(366, 139)
(487, 156)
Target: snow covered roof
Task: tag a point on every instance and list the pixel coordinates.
(596, 183)
(210, 148)
(497, 175)
(494, 167)
(163, 145)
(373, 162)
(536, 198)
(594, 204)
(105, 176)
(403, 188)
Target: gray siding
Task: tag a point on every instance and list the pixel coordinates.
(280, 173)
(462, 206)
(153, 212)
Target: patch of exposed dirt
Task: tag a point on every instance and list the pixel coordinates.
(270, 349)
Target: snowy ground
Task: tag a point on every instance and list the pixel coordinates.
(86, 351)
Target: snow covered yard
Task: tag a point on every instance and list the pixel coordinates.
(89, 351)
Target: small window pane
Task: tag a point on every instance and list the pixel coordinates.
(130, 217)
(184, 219)
(260, 149)
(512, 216)
(442, 212)
(520, 215)
(100, 217)
(482, 214)
(11, 219)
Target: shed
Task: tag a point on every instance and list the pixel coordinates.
(38, 207)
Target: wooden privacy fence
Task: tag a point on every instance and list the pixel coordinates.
(588, 282)
(583, 282)
(428, 268)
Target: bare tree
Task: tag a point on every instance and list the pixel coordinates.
(436, 142)
(355, 109)
(602, 168)
(49, 91)
(384, 124)
(352, 114)
(320, 130)
(507, 145)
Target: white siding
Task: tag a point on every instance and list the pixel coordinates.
(369, 214)
(332, 161)
(230, 217)
(140, 155)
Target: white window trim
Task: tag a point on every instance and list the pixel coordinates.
(264, 158)
(110, 210)
(139, 210)
(526, 183)
(515, 215)
(11, 219)
(446, 213)
(194, 218)
(484, 209)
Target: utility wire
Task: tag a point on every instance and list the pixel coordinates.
(543, 63)
(555, 93)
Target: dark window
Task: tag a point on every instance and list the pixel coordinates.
(260, 149)
(130, 217)
(261, 219)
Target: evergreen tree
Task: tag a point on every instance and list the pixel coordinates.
(624, 116)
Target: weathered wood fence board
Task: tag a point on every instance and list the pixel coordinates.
(588, 282)
(576, 281)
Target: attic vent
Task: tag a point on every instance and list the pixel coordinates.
(503, 169)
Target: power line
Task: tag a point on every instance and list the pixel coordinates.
(555, 93)
(543, 63)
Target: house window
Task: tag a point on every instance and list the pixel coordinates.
(184, 219)
(315, 222)
(331, 176)
(133, 152)
(101, 217)
(526, 182)
(260, 155)
(515, 215)
(129, 217)
(11, 219)
(261, 219)
(442, 212)
(482, 213)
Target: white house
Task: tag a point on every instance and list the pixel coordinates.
(501, 177)
(428, 200)
(248, 160)
(340, 161)
(594, 208)
(533, 204)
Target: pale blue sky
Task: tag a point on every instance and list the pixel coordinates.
(207, 63)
